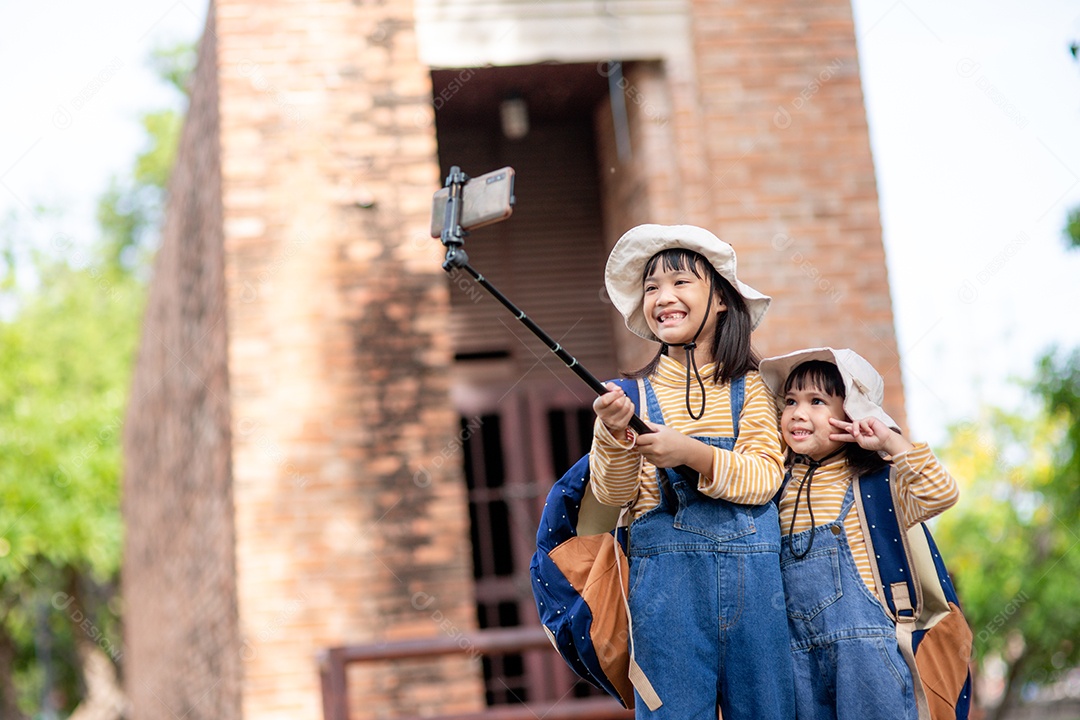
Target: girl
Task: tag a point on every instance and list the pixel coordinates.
(846, 656)
(705, 590)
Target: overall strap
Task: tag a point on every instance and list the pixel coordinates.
(783, 486)
(849, 502)
(737, 393)
(664, 476)
(737, 389)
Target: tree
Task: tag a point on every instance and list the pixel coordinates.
(1011, 543)
(63, 370)
(1072, 228)
(1014, 541)
(1072, 224)
(130, 211)
(68, 334)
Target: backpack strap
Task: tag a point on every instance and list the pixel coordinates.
(630, 387)
(895, 575)
(637, 676)
(593, 517)
(887, 543)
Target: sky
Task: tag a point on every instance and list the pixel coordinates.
(974, 116)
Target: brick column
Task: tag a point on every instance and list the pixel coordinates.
(181, 637)
(339, 356)
(790, 176)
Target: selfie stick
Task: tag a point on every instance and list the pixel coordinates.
(453, 237)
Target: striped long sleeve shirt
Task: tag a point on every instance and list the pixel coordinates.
(925, 489)
(750, 474)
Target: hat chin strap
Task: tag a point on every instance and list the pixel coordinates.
(811, 467)
(691, 361)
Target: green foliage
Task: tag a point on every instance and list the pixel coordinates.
(1072, 228)
(1059, 386)
(65, 364)
(175, 64)
(129, 213)
(63, 375)
(69, 329)
(1013, 541)
(152, 168)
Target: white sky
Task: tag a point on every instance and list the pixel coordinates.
(974, 113)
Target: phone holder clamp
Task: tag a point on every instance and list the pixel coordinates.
(453, 236)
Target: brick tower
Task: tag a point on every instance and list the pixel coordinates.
(331, 441)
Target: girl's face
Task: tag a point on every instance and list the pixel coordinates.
(804, 421)
(675, 303)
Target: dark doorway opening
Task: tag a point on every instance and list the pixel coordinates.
(525, 417)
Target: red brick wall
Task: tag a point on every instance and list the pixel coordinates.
(182, 656)
(285, 491)
(338, 356)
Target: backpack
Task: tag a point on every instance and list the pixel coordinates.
(918, 595)
(580, 578)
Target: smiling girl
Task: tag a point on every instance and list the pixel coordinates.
(847, 660)
(706, 598)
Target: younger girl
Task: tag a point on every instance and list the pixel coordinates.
(705, 598)
(846, 656)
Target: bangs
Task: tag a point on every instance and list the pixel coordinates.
(816, 375)
(677, 260)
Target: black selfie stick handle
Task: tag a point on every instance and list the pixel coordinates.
(453, 237)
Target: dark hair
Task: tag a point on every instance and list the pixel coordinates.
(825, 377)
(731, 350)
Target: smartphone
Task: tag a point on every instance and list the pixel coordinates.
(486, 199)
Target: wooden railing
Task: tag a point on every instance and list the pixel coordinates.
(333, 663)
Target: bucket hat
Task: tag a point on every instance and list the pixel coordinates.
(626, 269)
(864, 390)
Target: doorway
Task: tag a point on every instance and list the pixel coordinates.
(525, 417)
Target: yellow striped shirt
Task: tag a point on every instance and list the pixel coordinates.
(925, 489)
(751, 474)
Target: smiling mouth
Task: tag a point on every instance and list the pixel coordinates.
(670, 317)
(800, 434)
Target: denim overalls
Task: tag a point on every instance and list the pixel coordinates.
(847, 663)
(706, 600)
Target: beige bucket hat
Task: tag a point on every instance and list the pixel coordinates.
(626, 268)
(864, 390)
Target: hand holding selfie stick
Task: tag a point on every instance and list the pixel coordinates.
(453, 237)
